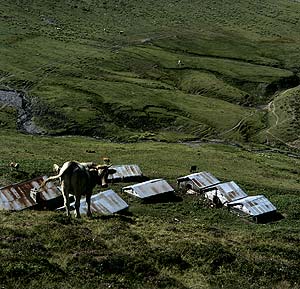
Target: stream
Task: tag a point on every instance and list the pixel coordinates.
(22, 104)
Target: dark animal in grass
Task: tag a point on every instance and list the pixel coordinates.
(80, 179)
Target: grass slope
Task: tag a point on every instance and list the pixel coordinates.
(110, 69)
(182, 244)
(283, 119)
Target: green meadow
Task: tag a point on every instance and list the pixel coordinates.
(177, 244)
(118, 70)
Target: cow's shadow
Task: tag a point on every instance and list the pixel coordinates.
(124, 216)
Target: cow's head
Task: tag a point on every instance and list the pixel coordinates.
(103, 172)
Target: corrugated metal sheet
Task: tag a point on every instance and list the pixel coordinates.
(197, 181)
(253, 206)
(125, 172)
(226, 192)
(149, 188)
(107, 202)
(18, 196)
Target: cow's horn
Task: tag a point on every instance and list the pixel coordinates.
(104, 166)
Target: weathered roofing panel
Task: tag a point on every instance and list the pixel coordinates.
(18, 197)
(201, 180)
(107, 202)
(253, 205)
(149, 188)
(226, 192)
(126, 171)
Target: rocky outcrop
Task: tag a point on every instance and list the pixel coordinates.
(23, 106)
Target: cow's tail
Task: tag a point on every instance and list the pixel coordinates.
(62, 171)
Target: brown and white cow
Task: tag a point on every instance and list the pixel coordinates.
(80, 179)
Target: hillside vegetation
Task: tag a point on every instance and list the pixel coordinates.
(110, 68)
(165, 85)
(182, 243)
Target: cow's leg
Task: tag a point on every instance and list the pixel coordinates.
(88, 201)
(77, 205)
(65, 193)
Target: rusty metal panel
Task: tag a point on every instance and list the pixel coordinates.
(125, 172)
(49, 191)
(18, 196)
(253, 205)
(197, 181)
(107, 202)
(149, 188)
(226, 192)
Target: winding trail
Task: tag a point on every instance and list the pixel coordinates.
(238, 124)
(271, 107)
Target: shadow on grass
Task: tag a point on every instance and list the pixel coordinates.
(121, 216)
(169, 197)
(268, 218)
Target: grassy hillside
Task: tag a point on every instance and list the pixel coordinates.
(110, 68)
(139, 81)
(283, 118)
(183, 244)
